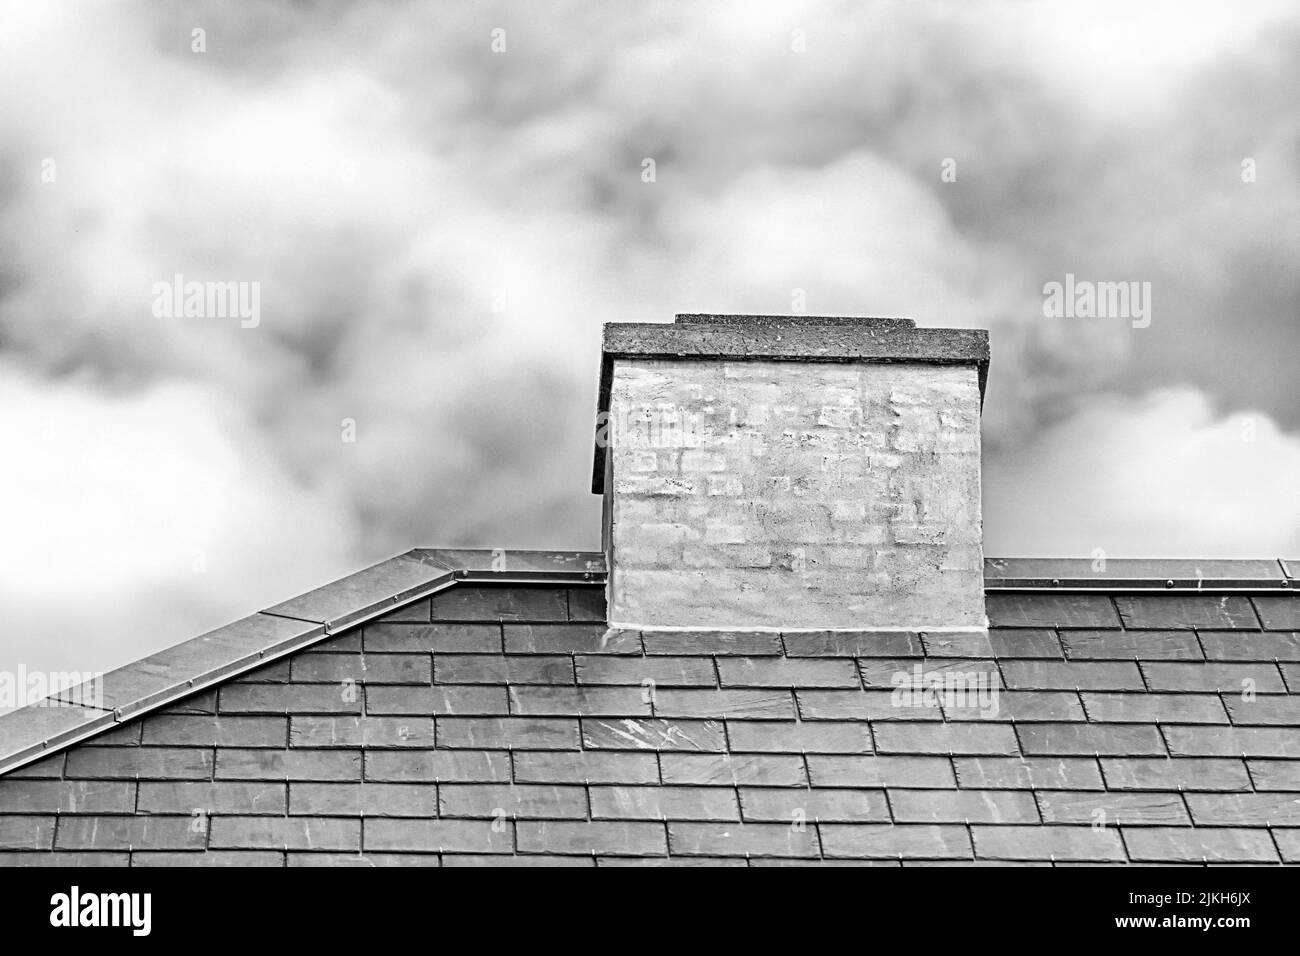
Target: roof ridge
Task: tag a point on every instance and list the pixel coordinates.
(202, 662)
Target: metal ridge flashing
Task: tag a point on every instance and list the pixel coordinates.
(201, 663)
(1138, 575)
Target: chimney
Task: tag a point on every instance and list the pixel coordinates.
(792, 473)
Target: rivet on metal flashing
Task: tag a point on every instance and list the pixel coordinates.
(1169, 583)
(1286, 584)
(1056, 582)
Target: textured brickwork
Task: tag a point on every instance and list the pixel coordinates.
(756, 494)
(503, 725)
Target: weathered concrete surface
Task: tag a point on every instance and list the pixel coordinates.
(800, 339)
(778, 494)
(749, 321)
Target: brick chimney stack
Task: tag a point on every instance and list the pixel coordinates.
(792, 473)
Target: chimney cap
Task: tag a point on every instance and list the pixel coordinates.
(794, 321)
(784, 338)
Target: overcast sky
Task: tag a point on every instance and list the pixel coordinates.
(439, 230)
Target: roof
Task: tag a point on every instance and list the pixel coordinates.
(472, 707)
(787, 338)
(269, 635)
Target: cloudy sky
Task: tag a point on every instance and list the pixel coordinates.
(439, 229)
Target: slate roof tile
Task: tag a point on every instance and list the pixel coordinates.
(1165, 773)
(625, 838)
(760, 672)
(1200, 741)
(1052, 610)
(658, 671)
(1097, 808)
(1164, 611)
(437, 638)
(1250, 646)
(1154, 708)
(1088, 844)
(712, 643)
(879, 841)
(790, 805)
(665, 803)
(1213, 677)
(865, 705)
(881, 771)
(1203, 844)
(1277, 613)
(945, 738)
(799, 737)
(963, 806)
(499, 669)
(517, 801)
(859, 644)
(1278, 709)
(1106, 740)
(966, 644)
(1013, 642)
(748, 704)
(1288, 844)
(645, 733)
(1016, 706)
(890, 673)
(1245, 809)
(1060, 675)
(1131, 645)
(1274, 774)
(1027, 773)
(734, 770)
(437, 836)
(744, 839)
(357, 799)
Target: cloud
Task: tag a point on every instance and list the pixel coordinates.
(1176, 481)
(165, 501)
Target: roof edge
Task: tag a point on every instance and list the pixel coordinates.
(38, 730)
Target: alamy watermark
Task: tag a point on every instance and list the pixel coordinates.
(661, 426)
(1086, 299)
(974, 690)
(74, 909)
(208, 300)
(24, 688)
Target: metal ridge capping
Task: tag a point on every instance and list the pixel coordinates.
(1115, 575)
(198, 664)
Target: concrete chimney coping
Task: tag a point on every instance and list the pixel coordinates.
(712, 318)
(785, 338)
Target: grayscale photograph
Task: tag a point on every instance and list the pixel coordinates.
(488, 433)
